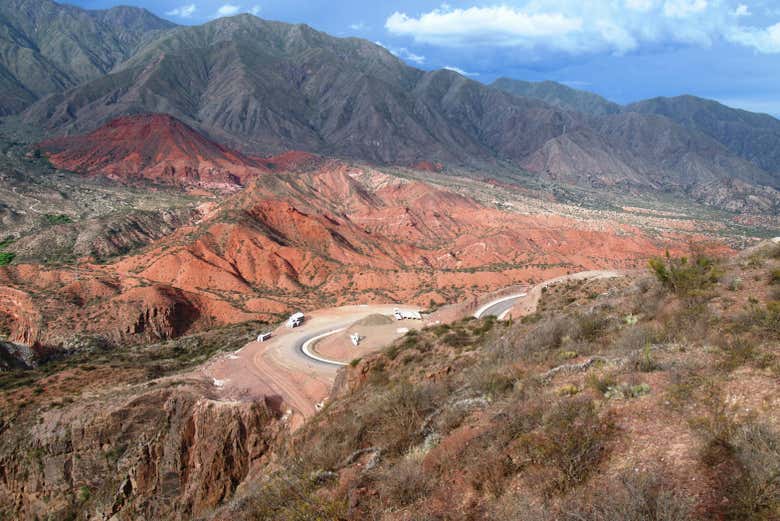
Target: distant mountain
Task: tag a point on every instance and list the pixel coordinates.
(559, 95)
(47, 47)
(266, 87)
(751, 136)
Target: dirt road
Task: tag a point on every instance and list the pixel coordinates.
(287, 372)
(527, 304)
(279, 371)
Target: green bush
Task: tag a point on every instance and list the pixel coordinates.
(686, 277)
(6, 257)
(59, 218)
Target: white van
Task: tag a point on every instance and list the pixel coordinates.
(295, 320)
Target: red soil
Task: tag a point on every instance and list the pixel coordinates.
(154, 147)
(327, 234)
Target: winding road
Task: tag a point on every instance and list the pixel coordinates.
(499, 307)
(287, 372)
(286, 368)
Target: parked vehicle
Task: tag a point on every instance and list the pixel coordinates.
(295, 320)
(406, 315)
(262, 337)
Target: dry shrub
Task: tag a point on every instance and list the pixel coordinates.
(762, 320)
(389, 419)
(691, 324)
(754, 491)
(515, 506)
(392, 419)
(591, 326)
(287, 497)
(637, 338)
(547, 335)
(403, 483)
(632, 497)
(572, 441)
(736, 352)
(491, 379)
(744, 456)
(490, 470)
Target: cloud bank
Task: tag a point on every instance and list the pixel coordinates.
(577, 27)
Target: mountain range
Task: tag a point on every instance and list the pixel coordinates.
(266, 87)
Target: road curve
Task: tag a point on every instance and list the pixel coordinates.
(498, 307)
(286, 368)
(281, 368)
(306, 344)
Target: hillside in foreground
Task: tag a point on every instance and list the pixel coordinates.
(648, 397)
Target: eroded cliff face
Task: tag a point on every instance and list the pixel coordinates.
(161, 450)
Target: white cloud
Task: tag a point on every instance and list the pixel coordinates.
(684, 8)
(575, 27)
(408, 55)
(255, 10)
(403, 53)
(228, 10)
(460, 71)
(184, 11)
(360, 26)
(492, 25)
(640, 5)
(763, 40)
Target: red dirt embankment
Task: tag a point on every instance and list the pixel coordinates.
(317, 233)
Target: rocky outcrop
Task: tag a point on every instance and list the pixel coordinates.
(19, 317)
(167, 453)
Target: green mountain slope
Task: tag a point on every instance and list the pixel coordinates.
(47, 47)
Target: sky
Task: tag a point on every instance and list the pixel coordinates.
(625, 50)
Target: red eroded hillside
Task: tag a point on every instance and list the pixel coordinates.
(334, 234)
(155, 147)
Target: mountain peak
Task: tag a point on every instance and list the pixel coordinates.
(559, 95)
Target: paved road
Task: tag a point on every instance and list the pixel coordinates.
(305, 346)
(288, 369)
(499, 306)
(281, 367)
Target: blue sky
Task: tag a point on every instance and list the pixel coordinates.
(625, 50)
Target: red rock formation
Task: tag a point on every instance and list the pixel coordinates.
(154, 147)
(129, 445)
(313, 232)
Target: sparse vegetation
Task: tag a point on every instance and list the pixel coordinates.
(6, 258)
(54, 219)
(686, 277)
(534, 419)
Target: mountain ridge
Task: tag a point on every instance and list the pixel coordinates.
(559, 95)
(48, 47)
(264, 87)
